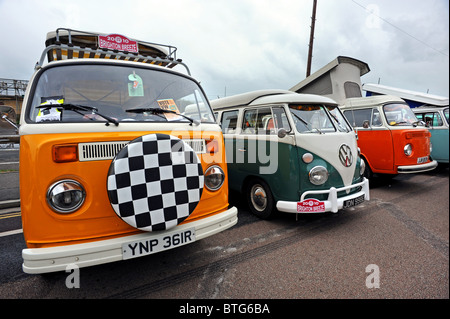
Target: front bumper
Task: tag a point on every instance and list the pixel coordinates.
(43, 260)
(333, 203)
(417, 168)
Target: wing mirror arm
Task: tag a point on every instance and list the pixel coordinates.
(5, 117)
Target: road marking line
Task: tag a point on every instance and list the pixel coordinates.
(10, 215)
(11, 232)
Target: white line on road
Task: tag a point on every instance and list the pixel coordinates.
(11, 232)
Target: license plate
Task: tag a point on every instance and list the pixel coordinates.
(422, 160)
(353, 202)
(158, 243)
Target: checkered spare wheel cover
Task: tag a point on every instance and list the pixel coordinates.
(155, 182)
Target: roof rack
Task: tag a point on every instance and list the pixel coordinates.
(66, 43)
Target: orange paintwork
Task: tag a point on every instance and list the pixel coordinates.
(95, 219)
(383, 149)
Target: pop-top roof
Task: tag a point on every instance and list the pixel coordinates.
(425, 98)
(260, 97)
(65, 44)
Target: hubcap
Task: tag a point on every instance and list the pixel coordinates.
(258, 197)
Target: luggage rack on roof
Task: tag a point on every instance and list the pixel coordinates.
(74, 44)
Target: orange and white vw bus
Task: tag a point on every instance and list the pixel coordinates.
(120, 155)
(389, 136)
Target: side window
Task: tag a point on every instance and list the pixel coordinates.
(229, 121)
(420, 117)
(432, 119)
(257, 121)
(376, 118)
(280, 119)
(437, 120)
(352, 89)
(358, 117)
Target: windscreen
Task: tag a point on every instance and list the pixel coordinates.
(112, 90)
(399, 114)
(318, 119)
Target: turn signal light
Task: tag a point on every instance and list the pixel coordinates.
(212, 146)
(65, 153)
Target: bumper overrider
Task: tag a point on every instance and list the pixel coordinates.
(332, 203)
(44, 260)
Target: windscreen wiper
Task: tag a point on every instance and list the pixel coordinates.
(158, 111)
(306, 123)
(79, 109)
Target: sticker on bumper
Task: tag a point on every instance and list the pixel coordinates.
(310, 205)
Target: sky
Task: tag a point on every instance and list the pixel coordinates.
(236, 46)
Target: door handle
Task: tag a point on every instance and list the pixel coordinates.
(242, 150)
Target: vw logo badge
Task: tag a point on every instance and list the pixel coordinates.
(345, 155)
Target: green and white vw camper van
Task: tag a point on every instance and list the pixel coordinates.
(290, 152)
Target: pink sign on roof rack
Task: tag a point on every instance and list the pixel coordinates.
(117, 42)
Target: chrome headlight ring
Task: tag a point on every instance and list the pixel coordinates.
(362, 167)
(214, 178)
(407, 149)
(318, 175)
(65, 196)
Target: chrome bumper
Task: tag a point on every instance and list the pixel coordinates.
(417, 168)
(332, 203)
(43, 260)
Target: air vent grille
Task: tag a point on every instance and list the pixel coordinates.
(108, 150)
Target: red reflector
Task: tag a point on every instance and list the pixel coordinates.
(65, 153)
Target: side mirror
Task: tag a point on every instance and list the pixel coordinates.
(282, 132)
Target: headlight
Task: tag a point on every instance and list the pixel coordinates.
(214, 178)
(318, 175)
(362, 167)
(65, 196)
(407, 149)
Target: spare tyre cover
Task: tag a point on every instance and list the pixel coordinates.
(155, 182)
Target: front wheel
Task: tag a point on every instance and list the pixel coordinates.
(260, 199)
(368, 172)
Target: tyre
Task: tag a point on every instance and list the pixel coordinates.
(368, 172)
(260, 199)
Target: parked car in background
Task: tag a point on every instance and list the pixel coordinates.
(437, 121)
(390, 137)
(290, 152)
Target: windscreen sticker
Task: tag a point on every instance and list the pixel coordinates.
(169, 104)
(52, 114)
(136, 86)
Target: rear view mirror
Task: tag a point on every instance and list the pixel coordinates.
(282, 132)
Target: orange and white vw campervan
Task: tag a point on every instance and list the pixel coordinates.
(389, 136)
(120, 156)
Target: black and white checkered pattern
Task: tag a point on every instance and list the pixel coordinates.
(155, 182)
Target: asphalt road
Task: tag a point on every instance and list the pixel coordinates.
(9, 174)
(398, 240)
